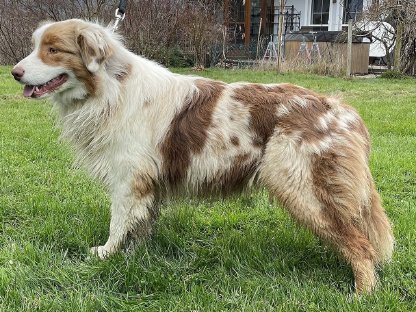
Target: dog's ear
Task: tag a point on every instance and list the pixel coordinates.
(94, 47)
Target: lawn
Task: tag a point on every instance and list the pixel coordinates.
(239, 255)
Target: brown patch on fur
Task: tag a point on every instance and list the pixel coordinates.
(61, 36)
(188, 130)
(262, 105)
(326, 102)
(303, 119)
(142, 186)
(235, 141)
(330, 172)
(263, 101)
(142, 228)
(258, 142)
(241, 159)
(122, 75)
(90, 49)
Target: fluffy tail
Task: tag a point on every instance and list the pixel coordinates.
(378, 227)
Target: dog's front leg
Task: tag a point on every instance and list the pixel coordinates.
(132, 213)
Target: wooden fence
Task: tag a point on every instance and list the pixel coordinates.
(332, 52)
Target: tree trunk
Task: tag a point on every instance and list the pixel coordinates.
(408, 55)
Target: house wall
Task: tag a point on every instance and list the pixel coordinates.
(366, 4)
(336, 11)
(301, 6)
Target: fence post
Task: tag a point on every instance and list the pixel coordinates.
(349, 48)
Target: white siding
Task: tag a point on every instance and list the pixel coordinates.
(336, 11)
(304, 7)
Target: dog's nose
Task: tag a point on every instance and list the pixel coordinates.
(18, 73)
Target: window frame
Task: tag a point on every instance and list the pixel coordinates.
(321, 13)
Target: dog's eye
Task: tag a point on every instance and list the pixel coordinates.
(53, 51)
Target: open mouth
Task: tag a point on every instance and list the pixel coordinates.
(51, 85)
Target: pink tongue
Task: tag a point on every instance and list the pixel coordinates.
(28, 91)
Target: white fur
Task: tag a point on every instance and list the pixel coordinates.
(37, 72)
(115, 134)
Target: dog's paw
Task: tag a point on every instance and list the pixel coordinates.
(100, 251)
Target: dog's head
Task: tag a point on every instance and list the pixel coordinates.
(67, 56)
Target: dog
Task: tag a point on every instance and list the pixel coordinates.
(148, 134)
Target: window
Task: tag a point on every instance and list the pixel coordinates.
(352, 9)
(320, 12)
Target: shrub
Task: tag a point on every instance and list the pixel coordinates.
(392, 74)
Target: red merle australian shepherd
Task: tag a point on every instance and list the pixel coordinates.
(147, 133)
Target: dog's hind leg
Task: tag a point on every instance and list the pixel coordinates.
(327, 192)
(133, 211)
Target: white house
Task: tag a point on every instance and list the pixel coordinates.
(332, 14)
(243, 17)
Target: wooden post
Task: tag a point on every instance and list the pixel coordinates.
(247, 25)
(258, 39)
(349, 48)
(280, 35)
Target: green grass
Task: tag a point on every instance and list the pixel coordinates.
(241, 254)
